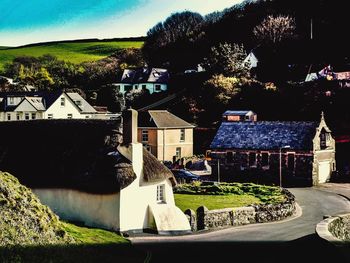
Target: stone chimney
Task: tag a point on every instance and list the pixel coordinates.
(129, 126)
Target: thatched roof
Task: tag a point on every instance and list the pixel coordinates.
(154, 170)
(123, 170)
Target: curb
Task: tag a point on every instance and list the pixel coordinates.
(323, 232)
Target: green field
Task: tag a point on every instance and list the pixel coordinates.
(75, 52)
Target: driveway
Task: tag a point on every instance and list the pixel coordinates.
(289, 240)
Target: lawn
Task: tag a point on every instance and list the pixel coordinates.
(88, 235)
(186, 201)
(75, 52)
(93, 245)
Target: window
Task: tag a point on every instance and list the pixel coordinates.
(18, 117)
(8, 116)
(182, 135)
(161, 193)
(145, 135)
(69, 116)
(11, 100)
(26, 116)
(178, 152)
(135, 87)
(247, 117)
(63, 102)
(87, 117)
(264, 159)
(33, 116)
(50, 116)
(252, 159)
(144, 87)
(157, 87)
(78, 102)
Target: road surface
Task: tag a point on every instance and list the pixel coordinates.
(291, 240)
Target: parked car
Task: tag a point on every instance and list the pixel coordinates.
(182, 175)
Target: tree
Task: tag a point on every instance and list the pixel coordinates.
(222, 88)
(110, 97)
(228, 59)
(168, 43)
(275, 29)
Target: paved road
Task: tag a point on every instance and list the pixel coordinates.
(290, 240)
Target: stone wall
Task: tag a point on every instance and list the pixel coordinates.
(211, 219)
(340, 227)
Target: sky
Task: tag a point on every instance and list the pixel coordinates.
(32, 21)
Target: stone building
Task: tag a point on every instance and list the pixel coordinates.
(297, 149)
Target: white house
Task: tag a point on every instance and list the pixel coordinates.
(144, 199)
(152, 79)
(44, 105)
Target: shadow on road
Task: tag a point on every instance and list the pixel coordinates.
(307, 249)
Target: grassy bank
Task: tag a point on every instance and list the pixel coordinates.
(75, 52)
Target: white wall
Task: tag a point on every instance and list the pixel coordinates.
(93, 209)
(137, 198)
(61, 112)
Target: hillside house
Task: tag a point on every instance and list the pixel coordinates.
(15, 106)
(307, 149)
(241, 115)
(152, 79)
(165, 135)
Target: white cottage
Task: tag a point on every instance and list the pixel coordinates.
(154, 80)
(144, 200)
(16, 106)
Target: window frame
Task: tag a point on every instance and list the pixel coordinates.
(182, 135)
(144, 134)
(69, 115)
(160, 196)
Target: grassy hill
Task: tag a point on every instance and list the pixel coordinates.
(73, 51)
(30, 232)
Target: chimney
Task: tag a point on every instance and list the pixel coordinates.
(129, 126)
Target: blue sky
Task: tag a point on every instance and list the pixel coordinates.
(23, 22)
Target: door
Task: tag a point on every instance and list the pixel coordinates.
(324, 172)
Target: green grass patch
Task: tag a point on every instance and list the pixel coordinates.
(77, 52)
(88, 235)
(224, 195)
(190, 201)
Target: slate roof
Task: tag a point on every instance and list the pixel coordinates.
(84, 107)
(37, 103)
(264, 135)
(145, 75)
(161, 119)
